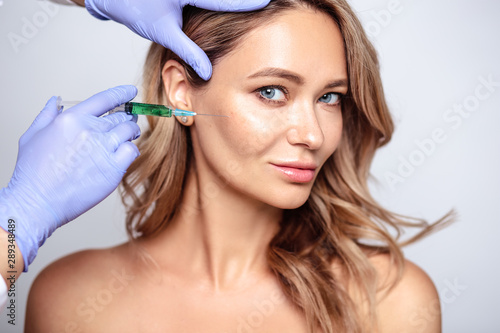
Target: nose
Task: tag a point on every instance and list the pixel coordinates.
(304, 129)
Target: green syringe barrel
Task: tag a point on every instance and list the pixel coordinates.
(154, 110)
(148, 109)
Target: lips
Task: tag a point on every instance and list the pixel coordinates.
(297, 172)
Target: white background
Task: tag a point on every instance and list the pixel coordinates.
(432, 56)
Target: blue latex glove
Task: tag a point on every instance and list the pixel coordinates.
(161, 22)
(67, 163)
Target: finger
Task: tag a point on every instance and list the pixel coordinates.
(126, 153)
(45, 117)
(126, 131)
(230, 5)
(112, 120)
(106, 100)
(185, 48)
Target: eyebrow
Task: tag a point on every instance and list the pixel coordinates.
(280, 73)
(287, 75)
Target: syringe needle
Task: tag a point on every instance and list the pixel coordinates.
(213, 115)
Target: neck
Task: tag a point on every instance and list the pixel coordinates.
(221, 236)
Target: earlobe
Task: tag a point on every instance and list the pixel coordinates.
(177, 89)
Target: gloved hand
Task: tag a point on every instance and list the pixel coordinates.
(67, 163)
(161, 22)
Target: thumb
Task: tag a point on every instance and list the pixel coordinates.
(230, 5)
(44, 118)
(187, 50)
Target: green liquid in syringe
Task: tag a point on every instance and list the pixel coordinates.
(148, 109)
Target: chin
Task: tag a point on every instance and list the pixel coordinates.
(290, 200)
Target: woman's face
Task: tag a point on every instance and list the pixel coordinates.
(281, 90)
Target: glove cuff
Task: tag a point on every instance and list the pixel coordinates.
(30, 233)
(94, 11)
(12, 214)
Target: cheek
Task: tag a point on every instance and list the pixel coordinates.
(233, 147)
(256, 134)
(247, 132)
(332, 131)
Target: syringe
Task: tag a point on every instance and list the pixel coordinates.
(151, 110)
(147, 109)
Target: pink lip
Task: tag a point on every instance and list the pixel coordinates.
(296, 171)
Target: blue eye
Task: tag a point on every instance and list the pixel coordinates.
(272, 93)
(330, 98)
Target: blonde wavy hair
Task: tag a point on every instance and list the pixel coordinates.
(339, 222)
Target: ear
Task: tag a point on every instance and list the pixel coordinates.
(177, 89)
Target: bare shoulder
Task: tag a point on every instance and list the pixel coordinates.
(400, 309)
(60, 295)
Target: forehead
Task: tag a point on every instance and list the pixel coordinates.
(302, 40)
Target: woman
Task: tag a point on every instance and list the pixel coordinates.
(260, 221)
